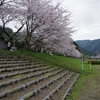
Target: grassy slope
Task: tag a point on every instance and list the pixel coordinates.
(69, 63)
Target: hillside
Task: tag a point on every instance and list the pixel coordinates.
(30, 78)
(89, 47)
(21, 66)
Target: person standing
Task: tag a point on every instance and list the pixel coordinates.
(9, 45)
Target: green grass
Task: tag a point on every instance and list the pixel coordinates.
(17, 76)
(68, 63)
(80, 85)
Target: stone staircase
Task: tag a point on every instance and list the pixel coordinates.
(21, 79)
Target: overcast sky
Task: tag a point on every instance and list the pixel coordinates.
(85, 18)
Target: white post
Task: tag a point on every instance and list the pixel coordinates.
(90, 65)
(82, 62)
(82, 65)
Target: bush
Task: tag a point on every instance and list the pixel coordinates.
(94, 62)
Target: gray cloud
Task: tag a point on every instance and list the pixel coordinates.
(85, 18)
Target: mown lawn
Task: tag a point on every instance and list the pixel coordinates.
(69, 63)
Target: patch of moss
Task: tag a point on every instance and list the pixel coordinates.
(17, 76)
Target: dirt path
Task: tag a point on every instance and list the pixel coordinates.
(92, 89)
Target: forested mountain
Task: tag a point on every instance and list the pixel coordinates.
(89, 47)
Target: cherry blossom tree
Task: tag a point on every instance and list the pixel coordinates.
(47, 27)
(33, 13)
(8, 15)
(4, 2)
